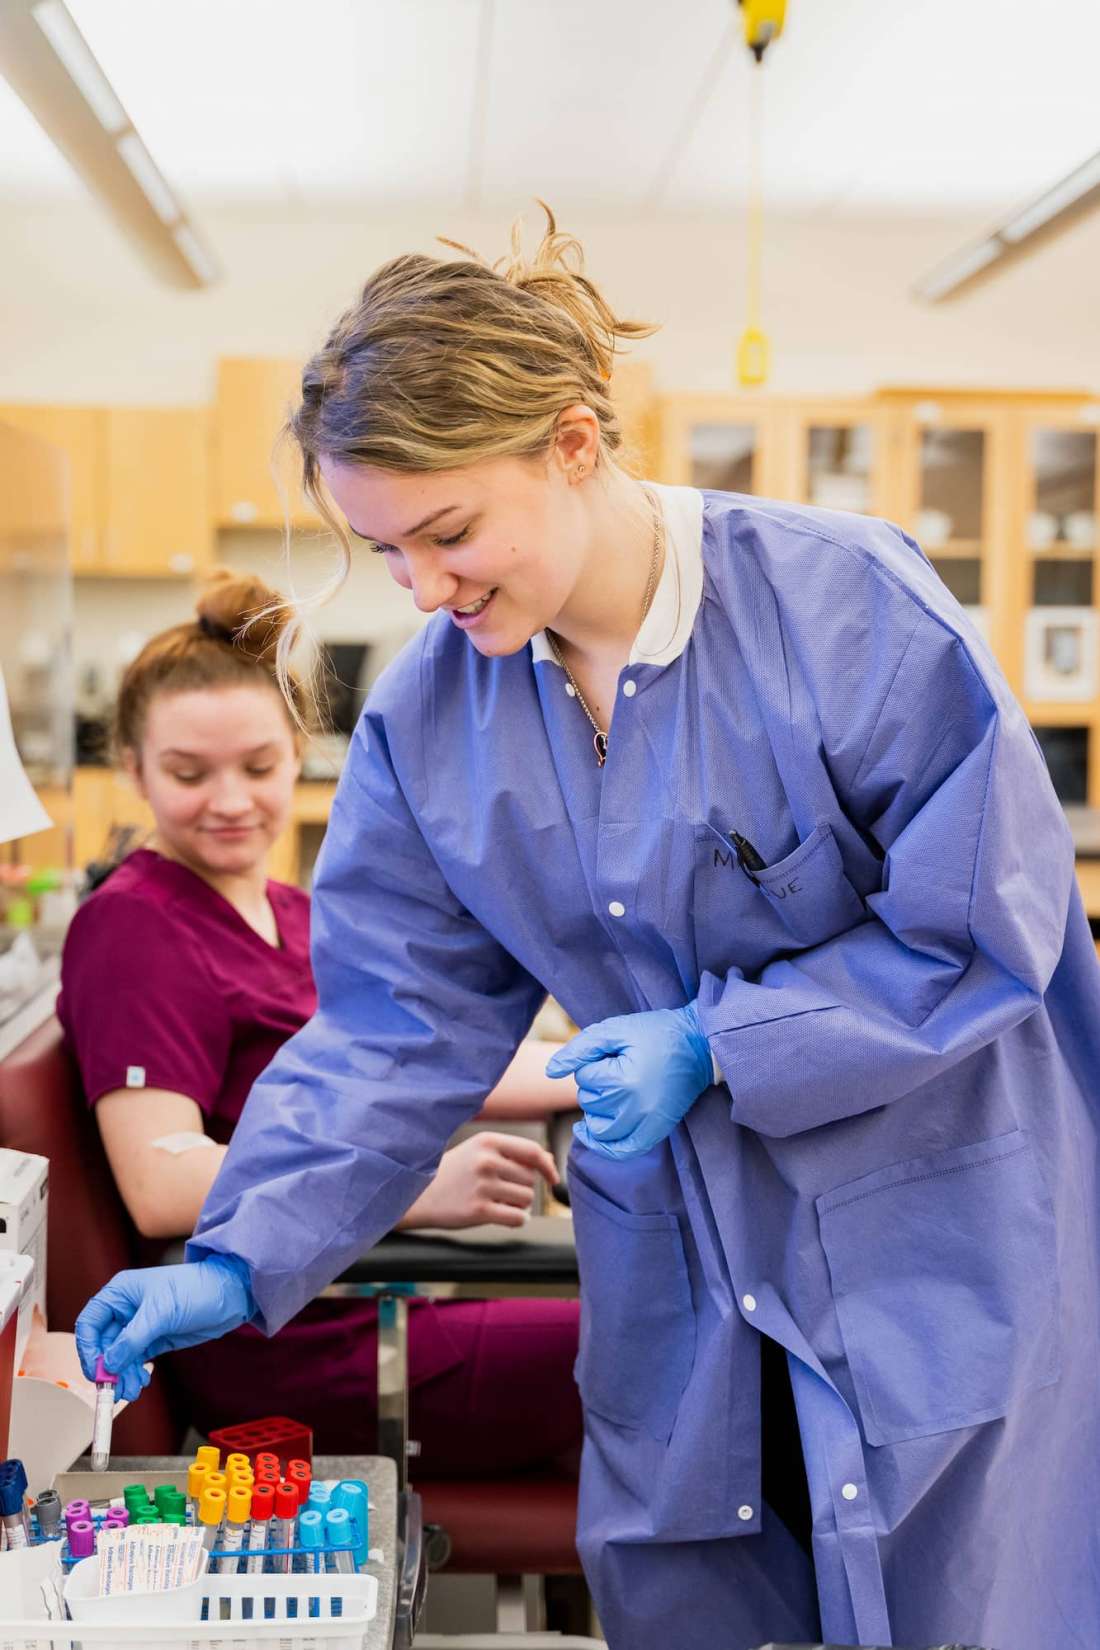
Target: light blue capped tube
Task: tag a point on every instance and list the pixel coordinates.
(339, 1534)
(320, 1496)
(311, 1536)
(351, 1494)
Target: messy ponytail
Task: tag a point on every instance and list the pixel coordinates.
(233, 640)
(443, 363)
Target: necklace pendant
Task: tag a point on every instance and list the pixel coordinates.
(599, 740)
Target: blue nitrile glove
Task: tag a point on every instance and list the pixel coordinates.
(637, 1074)
(140, 1314)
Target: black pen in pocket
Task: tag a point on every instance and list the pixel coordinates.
(747, 856)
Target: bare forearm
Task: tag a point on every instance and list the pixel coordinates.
(525, 1091)
(178, 1191)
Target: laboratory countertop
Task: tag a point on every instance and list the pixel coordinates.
(380, 1476)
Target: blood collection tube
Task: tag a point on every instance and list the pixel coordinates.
(197, 1474)
(237, 1509)
(211, 1456)
(104, 1416)
(81, 1538)
(263, 1507)
(13, 1505)
(282, 1525)
(320, 1494)
(47, 1510)
(237, 1460)
(351, 1493)
(339, 1534)
(266, 1459)
(211, 1513)
(311, 1535)
(301, 1474)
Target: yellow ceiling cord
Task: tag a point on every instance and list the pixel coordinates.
(763, 23)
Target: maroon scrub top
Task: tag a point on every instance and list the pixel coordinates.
(164, 985)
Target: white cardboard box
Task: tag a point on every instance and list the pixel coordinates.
(23, 1202)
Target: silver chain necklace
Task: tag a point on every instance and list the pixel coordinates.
(599, 735)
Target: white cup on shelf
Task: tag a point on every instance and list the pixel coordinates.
(933, 528)
(1042, 529)
(1079, 528)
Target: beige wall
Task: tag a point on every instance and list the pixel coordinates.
(80, 320)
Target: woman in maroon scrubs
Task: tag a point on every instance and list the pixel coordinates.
(184, 973)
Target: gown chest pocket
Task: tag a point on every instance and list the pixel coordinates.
(801, 901)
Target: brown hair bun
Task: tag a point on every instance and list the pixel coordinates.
(232, 641)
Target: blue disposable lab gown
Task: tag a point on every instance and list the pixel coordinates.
(897, 1180)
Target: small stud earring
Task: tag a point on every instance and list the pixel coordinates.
(580, 471)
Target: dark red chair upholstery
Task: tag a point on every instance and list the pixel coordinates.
(507, 1526)
(90, 1236)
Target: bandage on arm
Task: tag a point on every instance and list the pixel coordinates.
(163, 1189)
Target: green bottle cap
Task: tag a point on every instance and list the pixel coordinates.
(164, 1495)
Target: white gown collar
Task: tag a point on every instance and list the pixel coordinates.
(671, 615)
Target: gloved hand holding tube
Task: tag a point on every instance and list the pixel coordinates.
(637, 1075)
(140, 1314)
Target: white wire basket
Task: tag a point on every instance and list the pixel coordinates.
(269, 1612)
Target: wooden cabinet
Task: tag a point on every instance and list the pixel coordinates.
(1001, 490)
(256, 477)
(636, 404)
(1056, 625)
(836, 454)
(727, 442)
(947, 485)
(139, 485)
(157, 491)
(102, 798)
(77, 432)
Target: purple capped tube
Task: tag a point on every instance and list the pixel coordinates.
(81, 1538)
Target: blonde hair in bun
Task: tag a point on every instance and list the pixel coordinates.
(234, 639)
(445, 362)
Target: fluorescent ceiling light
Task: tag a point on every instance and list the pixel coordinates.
(195, 253)
(46, 62)
(148, 179)
(1065, 194)
(73, 50)
(1054, 209)
(957, 269)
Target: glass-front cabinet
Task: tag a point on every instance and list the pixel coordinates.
(837, 455)
(724, 442)
(1058, 504)
(944, 488)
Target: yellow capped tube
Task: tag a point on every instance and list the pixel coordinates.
(212, 1456)
(232, 1462)
(211, 1512)
(236, 1517)
(197, 1474)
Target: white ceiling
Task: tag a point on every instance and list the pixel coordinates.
(626, 106)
